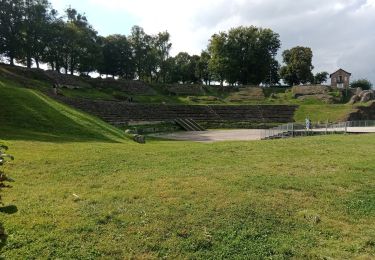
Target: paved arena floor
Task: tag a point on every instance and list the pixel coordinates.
(237, 134)
(214, 135)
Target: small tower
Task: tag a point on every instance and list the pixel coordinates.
(340, 79)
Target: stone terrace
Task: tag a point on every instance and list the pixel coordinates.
(131, 87)
(121, 113)
(362, 113)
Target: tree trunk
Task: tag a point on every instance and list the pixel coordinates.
(28, 61)
(11, 59)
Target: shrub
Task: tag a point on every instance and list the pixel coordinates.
(3, 180)
(3, 177)
(364, 84)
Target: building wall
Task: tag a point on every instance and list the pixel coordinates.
(340, 77)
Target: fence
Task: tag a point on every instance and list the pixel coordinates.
(299, 129)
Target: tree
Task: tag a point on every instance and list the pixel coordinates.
(117, 57)
(162, 47)
(78, 39)
(273, 78)
(321, 77)
(298, 68)
(218, 64)
(55, 43)
(141, 46)
(364, 84)
(202, 70)
(11, 24)
(35, 23)
(267, 67)
(170, 70)
(185, 68)
(244, 55)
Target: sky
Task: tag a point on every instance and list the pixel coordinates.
(341, 33)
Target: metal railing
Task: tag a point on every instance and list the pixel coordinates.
(299, 129)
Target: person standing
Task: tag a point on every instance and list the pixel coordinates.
(308, 123)
(55, 89)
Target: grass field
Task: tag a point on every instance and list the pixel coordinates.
(312, 197)
(84, 192)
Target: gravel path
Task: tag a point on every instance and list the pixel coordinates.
(214, 135)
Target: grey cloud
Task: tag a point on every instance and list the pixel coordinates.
(340, 32)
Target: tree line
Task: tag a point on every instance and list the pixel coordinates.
(32, 32)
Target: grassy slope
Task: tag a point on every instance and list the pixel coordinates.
(28, 113)
(323, 112)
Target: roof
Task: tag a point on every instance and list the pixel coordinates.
(340, 70)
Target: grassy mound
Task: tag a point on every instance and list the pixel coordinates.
(28, 114)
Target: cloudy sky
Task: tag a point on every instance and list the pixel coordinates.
(340, 32)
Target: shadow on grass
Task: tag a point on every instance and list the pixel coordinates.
(3, 238)
(9, 210)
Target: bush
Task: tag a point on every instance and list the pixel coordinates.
(3, 180)
(364, 84)
(3, 177)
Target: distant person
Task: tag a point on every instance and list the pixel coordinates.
(308, 123)
(55, 89)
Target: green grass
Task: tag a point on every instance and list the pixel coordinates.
(323, 112)
(27, 113)
(82, 192)
(187, 200)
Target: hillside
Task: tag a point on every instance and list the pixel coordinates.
(80, 193)
(31, 115)
(141, 93)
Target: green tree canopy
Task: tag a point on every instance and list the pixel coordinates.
(321, 77)
(298, 66)
(11, 29)
(244, 55)
(117, 58)
(361, 83)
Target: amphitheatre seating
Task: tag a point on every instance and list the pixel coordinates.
(121, 112)
(66, 80)
(247, 94)
(24, 76)
(192, 90)
(131, 87)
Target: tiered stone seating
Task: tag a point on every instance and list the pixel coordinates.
(192, 90)
(131, 87)
(66, 80)
(121, 112)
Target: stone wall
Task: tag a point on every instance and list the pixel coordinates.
(363, 113)
(181, 89)
(131, 87)
(118, 113)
